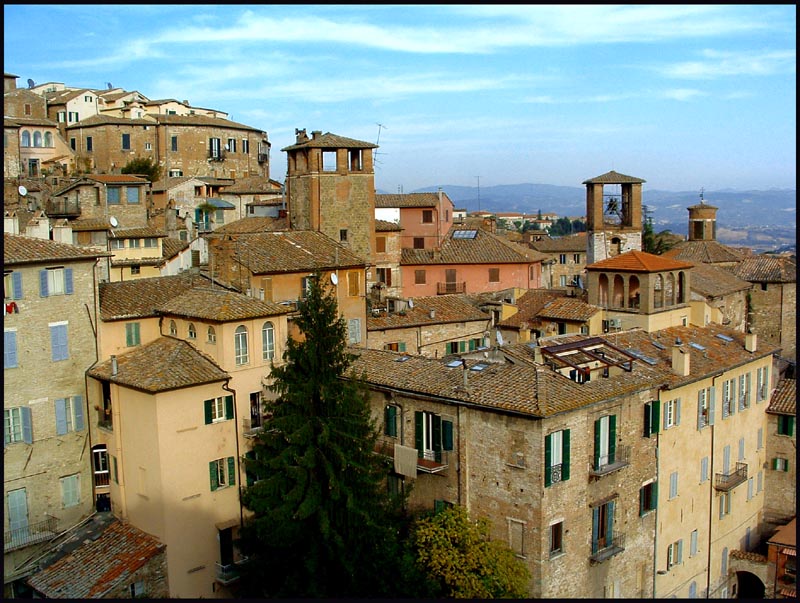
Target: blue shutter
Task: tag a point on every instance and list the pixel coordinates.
(9, 349)
(565, 455)
(677, 412)
(734, 399)
(61, 416)
(726, 459)
(700, 409)
(27, 425)
(747, 398)
(43, 283)
(666, 415)
(58, 342)
(16, 284)
(680, 551)
(77, 405)
(711, 404)
(68, 281)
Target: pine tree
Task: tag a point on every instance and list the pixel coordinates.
(323, 524)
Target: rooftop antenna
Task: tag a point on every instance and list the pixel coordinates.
(378, 141)
(701, 194)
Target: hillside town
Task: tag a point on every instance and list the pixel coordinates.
(624, 419)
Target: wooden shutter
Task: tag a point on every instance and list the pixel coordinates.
(9, 349)
(68, 281)
(612, 439)
(648, 418)
(565, 455)
(77, 408)
(610, 523)
(228, 407)
(595, 528)
(401, 347)
(447, 435)
(700, 419)
(747, 398)
(678, 412)
(390, 420)
(16, 284)
(43, 283)
(61, 416)
(642, 500)
(212, 474)
(711, 404)
(437, 438)
(597, 444)
(208, 408)
(548, 456)
(231, 471)
(656, 423)
(418, 441)
(27, 425)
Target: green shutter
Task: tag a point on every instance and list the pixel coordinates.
(790, 427)
(231, 471)
(401, 347)
(654, 504)
(597, 444)
(212, 472)
(565, 455)
(438, 506)
(418, 434)
(642, 500)
(208, 406)
(648, 413)
(547, 460)
(390, 420)
(612, 439)
(656, 422)
(462, 346)
(437, 438)
(472, 345)
(447, 435)
(228, 407)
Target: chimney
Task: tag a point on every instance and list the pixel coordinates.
(11, 224)
(465, 372)
(316, 134)
(433, 313)
(680, 360)
(537, 355)
(113, 365)
(751, 342)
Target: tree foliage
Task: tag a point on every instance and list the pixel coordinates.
(323, 524)
(652, 242)
(564, 226)
(458, 555)
(144, 166)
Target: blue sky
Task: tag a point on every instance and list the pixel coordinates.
(682, 96)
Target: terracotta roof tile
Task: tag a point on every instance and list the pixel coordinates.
(139, 298)
(253, 224)
(385, 226)
(97, 566)
(529, 305)
(483, 248)
(785, 535)
(202, 120)
(136, 233)
(253, 184)
(117, 178)
(446, 308)
(85, 224)
(20, 249)
(638, 261)
(100, 120)
(715, 281)
(748, 556)
(219, 305)
(569, 243)
(613, 177)
(171, 247)
(766, 268)
(711, 252)
(331, 141)
(161, 365)
(784, 398)
(567, 308)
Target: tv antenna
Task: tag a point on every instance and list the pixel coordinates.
(378, 140)
(701, 194)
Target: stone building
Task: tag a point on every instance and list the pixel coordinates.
(782, 560)
(384, 278)
(718, 296)
(701, 245)
(48, 328)
(566, 260)
(781, 470)
(613, 215)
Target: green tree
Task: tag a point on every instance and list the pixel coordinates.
(652, 242)
(458, 555)
(144, 166)
(323, 523)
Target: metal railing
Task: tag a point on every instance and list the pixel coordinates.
(621, 459)
(728, 481)
(605, 550)
(433, 463)
(248, 429)
(227, 574)
(63, 207)
(30, 534)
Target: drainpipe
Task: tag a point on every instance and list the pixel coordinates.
(227, 388)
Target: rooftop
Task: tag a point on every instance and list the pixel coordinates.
(784, 398)
(639, 261)
(445, 308)
(468, 246)
(20, 249)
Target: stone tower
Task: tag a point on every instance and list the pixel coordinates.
(330, 188)
(702, 222)
(613, 216)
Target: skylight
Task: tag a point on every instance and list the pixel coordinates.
(724, 337)
(465, 234)
(454, 363)
(659, 345)
(402, 358)
(640, 356)
(479, 367)
(697, 346)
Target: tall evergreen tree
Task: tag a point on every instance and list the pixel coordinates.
(323, 524)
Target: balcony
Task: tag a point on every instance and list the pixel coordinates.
(101, 479)
(621, 459)
(249, 430)
(448, 288)
(433, 462)
(725, 482)
(228, 574)
(30, 534)
(602, 551)
(63, 208)
(216, 155)
(104, 419)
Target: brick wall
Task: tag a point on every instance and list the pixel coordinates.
(773, 314)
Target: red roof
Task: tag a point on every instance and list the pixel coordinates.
(639, 261)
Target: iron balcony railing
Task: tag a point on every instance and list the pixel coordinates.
(227, 574)
(728, 481)
(248, 429)
(58, 208)
(30, 534)
(608, 465)
(447, 288)
(602, 550)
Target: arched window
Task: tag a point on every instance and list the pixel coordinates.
(192, 331)
(603, 287)
(240, 345)
(26, 139)
(618, 292)
(658, 291)
(681, 287)
(268, 340)
(669, 290)
(173, 328)
(37, 139)
(212, 335)
(48, 139)
(633, 292)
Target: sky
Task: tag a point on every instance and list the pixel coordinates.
(686, 97)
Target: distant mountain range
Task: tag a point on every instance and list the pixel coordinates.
(763, 219)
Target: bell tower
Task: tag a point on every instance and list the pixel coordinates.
(613, 215)
(702, 221)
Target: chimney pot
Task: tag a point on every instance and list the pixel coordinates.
(751, 342)
(114, 366)
(680, 361)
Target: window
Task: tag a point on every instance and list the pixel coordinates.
(268, 341)
(693, 544)
(245, 146)
(652, 418)
(516, 536)
(328, 161)
(419, 277)
(563, 280)
(126, 142)
(724, 504)
(136, 270)
(17, 425)
(744, 391)
(724, 566)
(728, 398)
(432, 435)
(605, 441)
(675, 553)
(73, 143)
(222, 472)
(12, 285)
(494, 275)
(231, 146)
(133, 243)
(151, 242)
(353, 284)
(602, 526)
(69, 414)
(212, 335)
(112, 195)
(59, 346)
(780, 464)
(9, 349)
(673, 485)
(672, 413)
(693, 590)
(762, 383)
(132, 193)
(343, 235)
(218, 409)
(117, 243)
(61, 117)
(173, 328)
(305, 286)
(705, 407)
(70, 491)
(148, 146)
(380, 244)
(174, 144)
(395, 346)
(427, 216)
(214, 148)
(137, 590)
(73, 116)
(390, 415)
(354, 330)
(132, 334)
(240, 346)
(785, 425)
(114, 469)
(576, 258)
(191, 332)
(26, 139)
(648, 498)
(384, 276)
(556, 538)
(562, 258)
(37, 139)
(419, 242)
(703, 469)
(55, 281)
(556, 457)
(88, 143)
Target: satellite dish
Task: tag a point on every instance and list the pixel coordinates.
(110, 87)
(31, 83)
(410, 303)
(113, 221)
(22, 190)
(227, 148)
(334, 278)
(499, 338)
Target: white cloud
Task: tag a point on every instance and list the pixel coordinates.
(716, 64)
